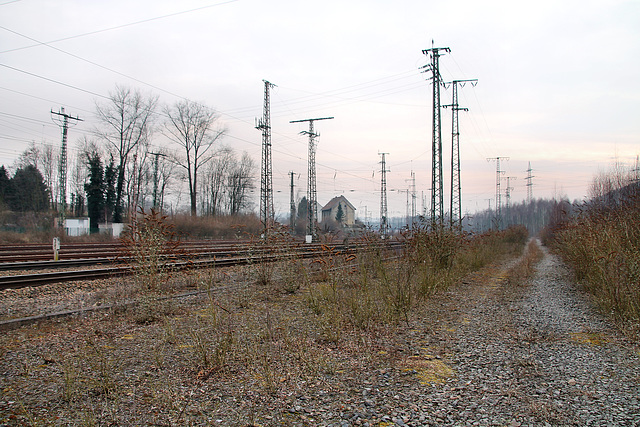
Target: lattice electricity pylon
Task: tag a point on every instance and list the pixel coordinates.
(455, 208)
(266, 176)
(529, 179)
(437, 192)
(292, 207)
(312, 193)
(498, 194)
(62, 208)
(507, 192)
(384, 224)
(411, 222)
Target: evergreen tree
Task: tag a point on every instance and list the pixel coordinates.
(303, 216)
(5, 186)
(110, 175)
(95, 190)
(303, 209)
(33, 194)
(340, 214)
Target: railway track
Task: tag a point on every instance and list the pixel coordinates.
(26, 280)
(43, 252)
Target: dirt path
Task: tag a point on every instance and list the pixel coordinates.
(537, 354)
(482, 353)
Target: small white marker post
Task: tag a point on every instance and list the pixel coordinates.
(56, 248)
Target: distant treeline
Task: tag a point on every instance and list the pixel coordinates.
(25, 191)
(534, 215)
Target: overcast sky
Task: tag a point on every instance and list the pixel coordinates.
(558, 84)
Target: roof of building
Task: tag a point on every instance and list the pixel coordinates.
(334, 202)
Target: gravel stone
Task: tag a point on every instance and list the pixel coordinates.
(482, 353)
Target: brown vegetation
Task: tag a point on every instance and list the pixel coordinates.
(524, 268)
(217, 227)
(262, 334)
(601, 242)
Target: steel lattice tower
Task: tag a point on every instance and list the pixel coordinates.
(63, 162)
(529, 184)
(507, 192)
(292, 207)
(455, 208)
(384, 225)
(413, 200)
(437, 192)
(312, 193)
(266, 177)
(498, 194)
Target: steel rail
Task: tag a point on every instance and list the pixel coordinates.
(26, 280)
(119, 257)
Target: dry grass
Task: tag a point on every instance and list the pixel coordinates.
(217, 227)
(244, 348)
(524, 268)
(152, 244)
(602, 245)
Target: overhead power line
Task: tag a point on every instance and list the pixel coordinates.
(63, 120)
(437, 192)
(384, 224)
(130, 24)
(54, 81)
(266, 178)
(312, 193)
(455, 208)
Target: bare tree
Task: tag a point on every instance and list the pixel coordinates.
(239, 181)
(79, 177)
(138, 177)
(215, 181)
(193, 126)
(127, 120)
(45, 159)
(49, 169)
(29, 157)
(165, 175)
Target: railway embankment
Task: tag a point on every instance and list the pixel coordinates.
(491, 349)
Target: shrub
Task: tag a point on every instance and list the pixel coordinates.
(601, 243)
(151, 246)
(217, 227)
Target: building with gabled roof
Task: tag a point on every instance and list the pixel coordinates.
(330, 211)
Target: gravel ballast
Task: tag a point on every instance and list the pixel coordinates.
(484, 352)
(540, 354)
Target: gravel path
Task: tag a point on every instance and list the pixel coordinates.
(536, 355)
(539, 354)
(482, 353)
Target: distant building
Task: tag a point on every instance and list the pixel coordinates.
(77, 226)
(112, 229)
(330, 211)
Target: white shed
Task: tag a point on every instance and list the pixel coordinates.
(77, 226)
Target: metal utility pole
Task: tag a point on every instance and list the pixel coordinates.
(384, 225)
(414, 200)
(312, 193)
(529, 184)
(266, 177)
(62, 119)
(455, 208)
(508, 198)
(437, 204)
(498, 194)
(292, 207)
(424, 204)
(411, 222)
